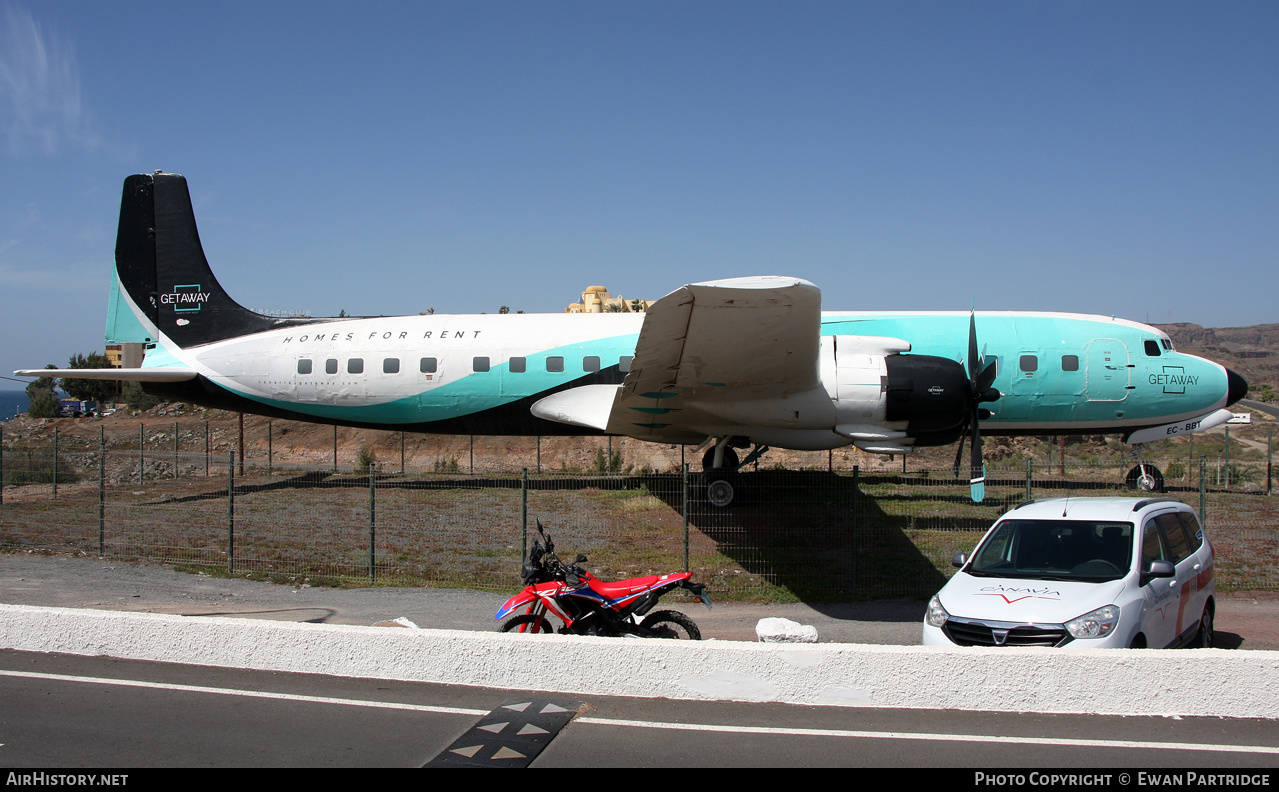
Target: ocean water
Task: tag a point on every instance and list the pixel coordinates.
(11, 402)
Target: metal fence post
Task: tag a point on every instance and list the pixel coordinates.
(523, 514)
(55, 461)
(684, 508)
(335, 448)
(102, 491)
(206, 448)
(1227, 457)
(175, 450)
(1268, 458)
(857, 498)
(141, 444)
(1, 466)
(1029, 475)
(372, 523)
(230, 511)
(1203, 493)
(269, 455)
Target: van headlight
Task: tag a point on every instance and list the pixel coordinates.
(936, 615)
(1098, 624)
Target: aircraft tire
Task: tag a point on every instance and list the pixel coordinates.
(730, 460)
(1148, 480)
(720, 491)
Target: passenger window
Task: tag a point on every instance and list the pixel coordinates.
(1029, 363)
(479, 364)
(555, 363)
(518, 365)
(1175, 535)
(428, 366)
(304, 366)
(1152, 347)
(331, 366)
(624, 363)
(391, 366)
(355, 366)
(1070, 362)
(1193, 531)
(1152, 546)
(591, 363)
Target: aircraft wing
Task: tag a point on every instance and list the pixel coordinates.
(167, 374)
(756, 336)
(742, 340)
(704, 350)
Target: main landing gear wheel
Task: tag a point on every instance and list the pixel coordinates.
(1145, 478)
(671, 624)
(527, 623)
(719, 491)
(730, 460)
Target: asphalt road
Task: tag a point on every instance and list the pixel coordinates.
(70, 711)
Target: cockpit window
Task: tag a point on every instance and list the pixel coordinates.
(1152, 347)
(1167, 344)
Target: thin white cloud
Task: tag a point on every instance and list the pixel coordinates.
(40, 104)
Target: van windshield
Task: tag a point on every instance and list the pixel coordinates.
(1055, 550)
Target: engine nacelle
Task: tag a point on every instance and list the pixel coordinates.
(884, 398)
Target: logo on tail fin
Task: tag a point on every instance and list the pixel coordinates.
(185, 298)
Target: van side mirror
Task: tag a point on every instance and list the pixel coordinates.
(959, 560)
(1158, 569)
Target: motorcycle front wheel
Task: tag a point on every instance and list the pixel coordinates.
(671, 624)
(527, 623)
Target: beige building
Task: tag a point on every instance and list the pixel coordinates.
(125, 355)
(596, 299)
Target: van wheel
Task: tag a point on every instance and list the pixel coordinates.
(1205, 637)
(1138, 642)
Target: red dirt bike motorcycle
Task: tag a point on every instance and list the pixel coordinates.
(589, 606)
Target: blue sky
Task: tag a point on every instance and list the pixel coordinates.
(389, 157)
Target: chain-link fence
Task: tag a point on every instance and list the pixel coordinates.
(815, 535)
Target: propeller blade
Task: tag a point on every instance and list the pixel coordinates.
(986, 379)
(973, 363)
(977, 487)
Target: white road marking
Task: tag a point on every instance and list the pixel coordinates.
(703, 727)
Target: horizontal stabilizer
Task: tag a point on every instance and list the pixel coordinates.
(172, 374)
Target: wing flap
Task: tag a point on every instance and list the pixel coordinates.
(752, 341)
(758, 335)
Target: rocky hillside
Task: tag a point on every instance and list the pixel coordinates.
(1252, 351)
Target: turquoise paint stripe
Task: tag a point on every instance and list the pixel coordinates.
(473, 393)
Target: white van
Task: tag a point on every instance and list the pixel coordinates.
(1082, 572)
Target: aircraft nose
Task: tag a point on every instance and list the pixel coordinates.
(1236, 387)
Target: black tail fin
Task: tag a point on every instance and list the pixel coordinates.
(161, 265)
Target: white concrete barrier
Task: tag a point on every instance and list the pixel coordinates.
(1120, 682)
